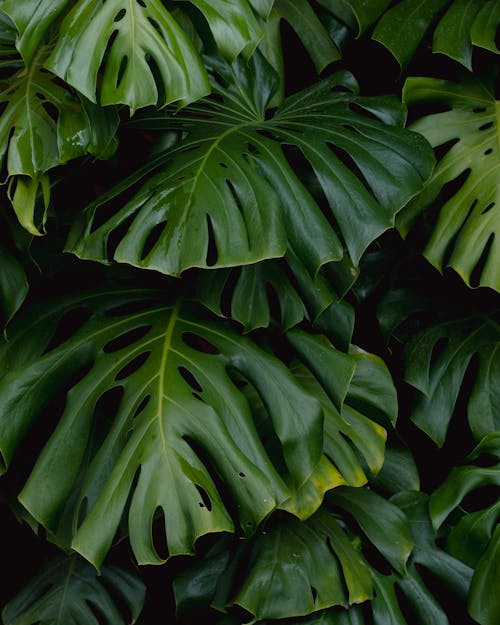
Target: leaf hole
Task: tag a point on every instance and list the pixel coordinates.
(117, 234)
(479, 109)
(126, 339)
(314, 593)
(486, 126)
(141, 406)
(120, 15)
(155, 25)
(211, 257)
(133, 366)
(207, 502)
(67, 326)
(488, 208)
(152, 239)
(121, 71)
(488, 151)
(241, 474)
(477, 272)
(105, 410)
(199, 343)
(223, 165)
(159, 534)
(442, 150)
(190, 379)
(51, 110)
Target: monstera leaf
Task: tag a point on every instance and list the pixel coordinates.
(70, 591)
(43, 125)
(465, 186)
(457, 25)
(360, 391)
(440, 354)
(296, 568)
(399, 599)
(228, 193)
(154, 421)
(475, 538)
(13, 286)
(282, 290)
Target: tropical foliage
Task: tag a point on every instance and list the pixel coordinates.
(249, 276)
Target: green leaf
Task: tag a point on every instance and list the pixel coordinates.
(233, 24)
(135, 51)
(32, 20)
(297, 568)
(70, 591)
(13, 286)
(465, 236)
(353, 442)
(382, 522)
(313, 35)
(398, 473)
(484, 605)
(402, 26)
(41, 126)
(227, 194)
(165, 380)
(461, 481)
(438, 360)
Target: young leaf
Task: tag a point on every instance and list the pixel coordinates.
(154, 411)
(466, 235)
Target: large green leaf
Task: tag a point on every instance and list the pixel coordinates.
(230, 194)
(441, 355)
(69, 591)
(42, 124)
(465, 186)
(399, 598)
(297, 568)
(401, 26)
(126, 52)
(152, 416)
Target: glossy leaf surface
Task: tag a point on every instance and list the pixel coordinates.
(153, 413)
(465, 235)
(228, 194)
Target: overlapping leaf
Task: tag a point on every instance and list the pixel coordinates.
(42, 124)
(151, 416)
(474, 539)
(353, 399)
(457, 25)
(398, 598)
(297, 568)
(255, 290)
(465, 186)
(440, 356)
(229, 193)
(70, 591)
